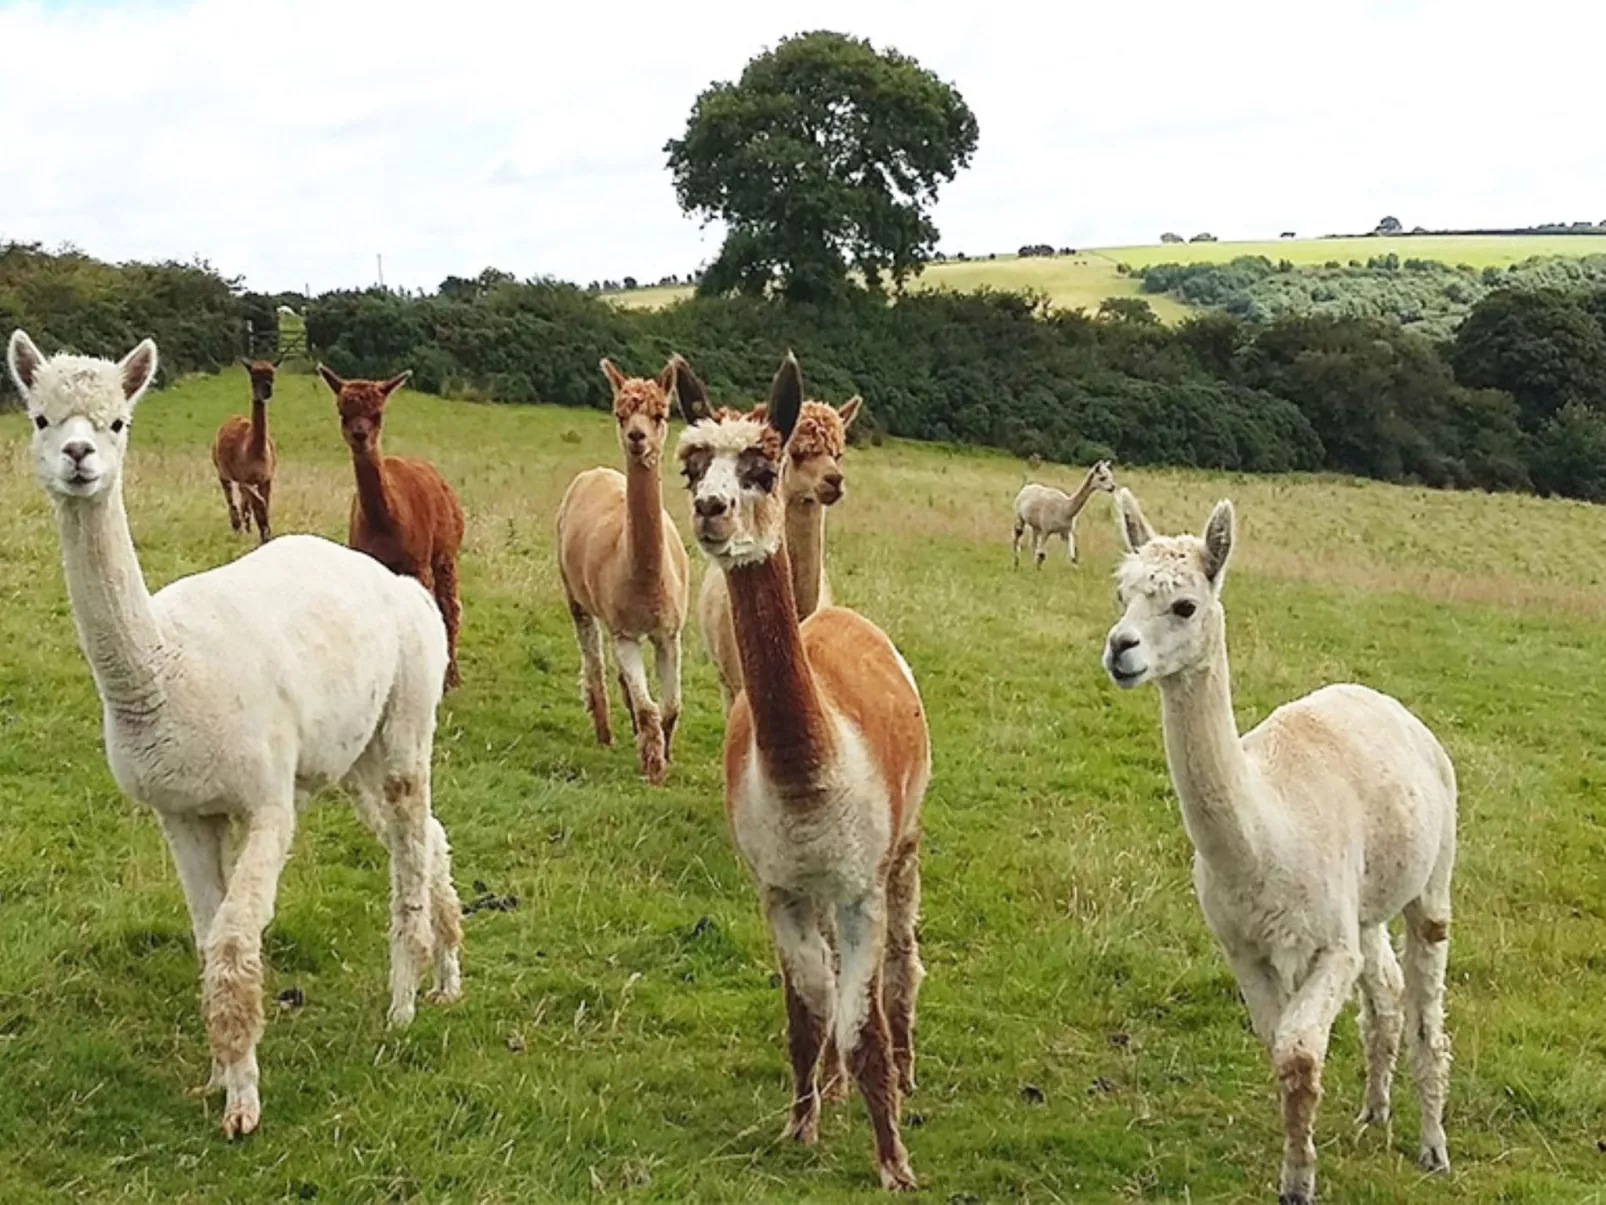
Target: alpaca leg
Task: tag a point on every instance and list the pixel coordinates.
(806, 975)
(1427, 951)
(1297, 1054)
(235, 519)
(259, 507)
(196, 843)
(647, 721)
(861, 1030)
(1039, 547)
(593, 691)
(1262, 992)
(1070, 545)
(405, 810)
(1014, 544)
(451, 606)
(446, 917)
(1382, 990)
(231, 983)
(835, 1081)
(668, 651)
(901, 969)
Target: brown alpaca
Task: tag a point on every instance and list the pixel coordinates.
(244, 455)
(624, 569)
(827, 759)
(404, 515)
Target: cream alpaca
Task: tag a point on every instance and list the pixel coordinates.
(1311, 833)
(827, 759)
(1050, 512)
(233, 694)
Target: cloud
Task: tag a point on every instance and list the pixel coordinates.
(290, 141)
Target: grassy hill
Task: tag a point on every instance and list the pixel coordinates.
(1080, 1036)
(1091, 276)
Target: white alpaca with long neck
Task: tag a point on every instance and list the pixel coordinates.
(232, 694)
(1047, 512)
(1311, 833)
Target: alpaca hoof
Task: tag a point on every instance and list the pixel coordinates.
(1434, 1158)
(1373, 1115)
(241, 1115)
(896, 1176)
(805, 1130)
(444, 995)
(1294, 1198)
(401, 1015)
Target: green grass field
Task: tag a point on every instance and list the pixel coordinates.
(1088, 278)
(621, 1037)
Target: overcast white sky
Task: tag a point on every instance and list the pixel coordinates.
(289, 141)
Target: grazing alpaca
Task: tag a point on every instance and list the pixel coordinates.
(1310, 833)
(827, 759)
(1051, 512)
(243, 453)
(233, 694)
(404, 515)
(624, 569)
(812, 482)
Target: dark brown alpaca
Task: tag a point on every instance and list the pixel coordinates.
(405, 516)
(244, 454)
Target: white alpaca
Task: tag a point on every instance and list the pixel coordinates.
(1311, 833)
(233, 694)
(1050, 512)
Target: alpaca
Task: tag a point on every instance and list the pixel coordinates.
(244, 455)
(1311, 833)
(1051, 512)
(624, 569)
(404, 515)
(827, 759)
(812, 482)
(231, 695)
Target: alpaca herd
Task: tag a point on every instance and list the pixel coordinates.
(230, 696)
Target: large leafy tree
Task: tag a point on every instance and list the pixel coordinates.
(1543, 347)
(825, 156)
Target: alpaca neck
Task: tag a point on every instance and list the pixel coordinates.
(259, 428)
(789, 721)
(373, 491)
(644, 525)
(805, 549)
(1217, 786)
(1082, 494)
(111, 607)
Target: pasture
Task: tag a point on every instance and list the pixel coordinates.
(1086, 279)
(1080, 1036)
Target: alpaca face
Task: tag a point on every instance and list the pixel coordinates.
(733, 465)
(641, 408)
(262, 374)
(362, 406)
(1103, 478)
(1169, 588)
(80, 409)
(814, 454)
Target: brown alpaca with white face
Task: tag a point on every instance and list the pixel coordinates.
(244, 455)
(625, 571)
(404, 515)
(827, 759)
(812, 483)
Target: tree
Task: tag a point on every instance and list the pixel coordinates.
(1541, 346)
(825, 155)
(1389, 226)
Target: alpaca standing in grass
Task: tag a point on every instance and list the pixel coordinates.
(827, 759)
(625, 570)
(232, 694)
(812, 482)
(404, 515)
(244, 455)
(1311, 833)
(1051, 512)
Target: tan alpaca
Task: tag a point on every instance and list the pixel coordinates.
(1050, 512)
(827, 759)
(1311, 833)
(625, 570)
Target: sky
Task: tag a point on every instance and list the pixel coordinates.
(291, 142)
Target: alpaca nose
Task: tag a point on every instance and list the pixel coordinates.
(636, 437)
(834, 480)
(77, 450)
(709, 508)
(1122, 642)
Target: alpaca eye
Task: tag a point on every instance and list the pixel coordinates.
(40, 422)
(117, 426)
(1184, 608)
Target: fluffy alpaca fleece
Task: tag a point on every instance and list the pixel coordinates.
(1311, 833)
(404, 515)
(231, 695)
(625, 571)
(244, 455)
(1049, 512)
(827, 759)
(811, 482)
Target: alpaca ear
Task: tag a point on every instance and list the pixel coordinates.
(243, 363)
(849, 410)
(396, 382)
(690, 391)
(331, 380)
(278, 359)
(786, 397)
(138, 369)
(23, 358)
(1218, 534)
(1135, 529)
(610, 370)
